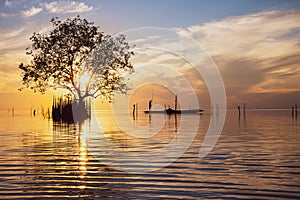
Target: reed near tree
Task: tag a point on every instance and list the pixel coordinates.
(77, 57)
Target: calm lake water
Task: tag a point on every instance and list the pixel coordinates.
(256, 157)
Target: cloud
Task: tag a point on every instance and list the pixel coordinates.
(13, 43)
(13, 39)
(31, 12)
(67, 7)
(11, 33)
(250, 35)
(8, 3)
(2, 14)
(256, 53)
(5, 15)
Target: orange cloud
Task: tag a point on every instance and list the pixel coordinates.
(256, 53)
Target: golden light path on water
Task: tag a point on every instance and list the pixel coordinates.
(83, 159)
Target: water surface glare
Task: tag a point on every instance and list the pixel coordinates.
(256, 157)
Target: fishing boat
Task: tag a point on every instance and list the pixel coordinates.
(191, 111)
(170, 111)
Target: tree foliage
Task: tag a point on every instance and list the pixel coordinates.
(75, 56)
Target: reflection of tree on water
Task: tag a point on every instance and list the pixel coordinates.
(58, 163)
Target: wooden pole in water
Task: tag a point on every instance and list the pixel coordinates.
(293, 111)
(239, 110)
(175, 102)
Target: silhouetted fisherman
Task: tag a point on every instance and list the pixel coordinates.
(293, 112)
(150, 105)
(239, 109)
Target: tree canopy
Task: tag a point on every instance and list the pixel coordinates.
(77, 57)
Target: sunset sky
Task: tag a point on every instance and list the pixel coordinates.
(254, 44)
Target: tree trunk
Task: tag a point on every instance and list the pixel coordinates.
(81, 102)
(80, 113)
